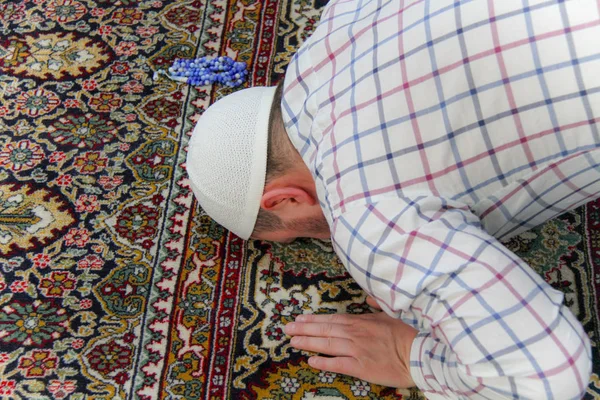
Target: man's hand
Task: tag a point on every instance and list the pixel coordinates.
(371, 347)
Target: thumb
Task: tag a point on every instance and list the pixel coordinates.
(373, 303)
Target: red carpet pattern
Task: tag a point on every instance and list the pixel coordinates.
(113, 283)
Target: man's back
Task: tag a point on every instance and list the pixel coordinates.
(489, 108)
(433, 128)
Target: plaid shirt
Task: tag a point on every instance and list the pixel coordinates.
(433, 130)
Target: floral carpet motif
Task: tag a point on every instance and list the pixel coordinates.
(113, 283)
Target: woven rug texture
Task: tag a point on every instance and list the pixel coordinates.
(113, 283)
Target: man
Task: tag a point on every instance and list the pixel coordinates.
(417, 134)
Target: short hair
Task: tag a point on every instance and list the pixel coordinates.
(280, 156)
(280, 151)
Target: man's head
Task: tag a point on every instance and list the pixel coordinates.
(246, 173)
(289, 207)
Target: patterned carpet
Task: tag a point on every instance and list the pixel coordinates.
(113, 284)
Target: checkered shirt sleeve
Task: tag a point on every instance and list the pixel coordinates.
(486, 319)
(434, 129)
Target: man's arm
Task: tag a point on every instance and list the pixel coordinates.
(490, 327)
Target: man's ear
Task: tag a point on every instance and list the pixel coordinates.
(278, 198)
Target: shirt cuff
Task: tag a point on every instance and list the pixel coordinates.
(418, 368)
(421, 368)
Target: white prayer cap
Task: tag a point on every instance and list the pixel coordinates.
(227, 158)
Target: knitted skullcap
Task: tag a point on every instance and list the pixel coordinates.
(227, 158)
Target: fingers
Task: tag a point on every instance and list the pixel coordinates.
(343, 319)
(324, 345)
(317, 329)
(322, 337)
(340, 365)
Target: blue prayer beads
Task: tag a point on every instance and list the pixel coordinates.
(202, 71)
